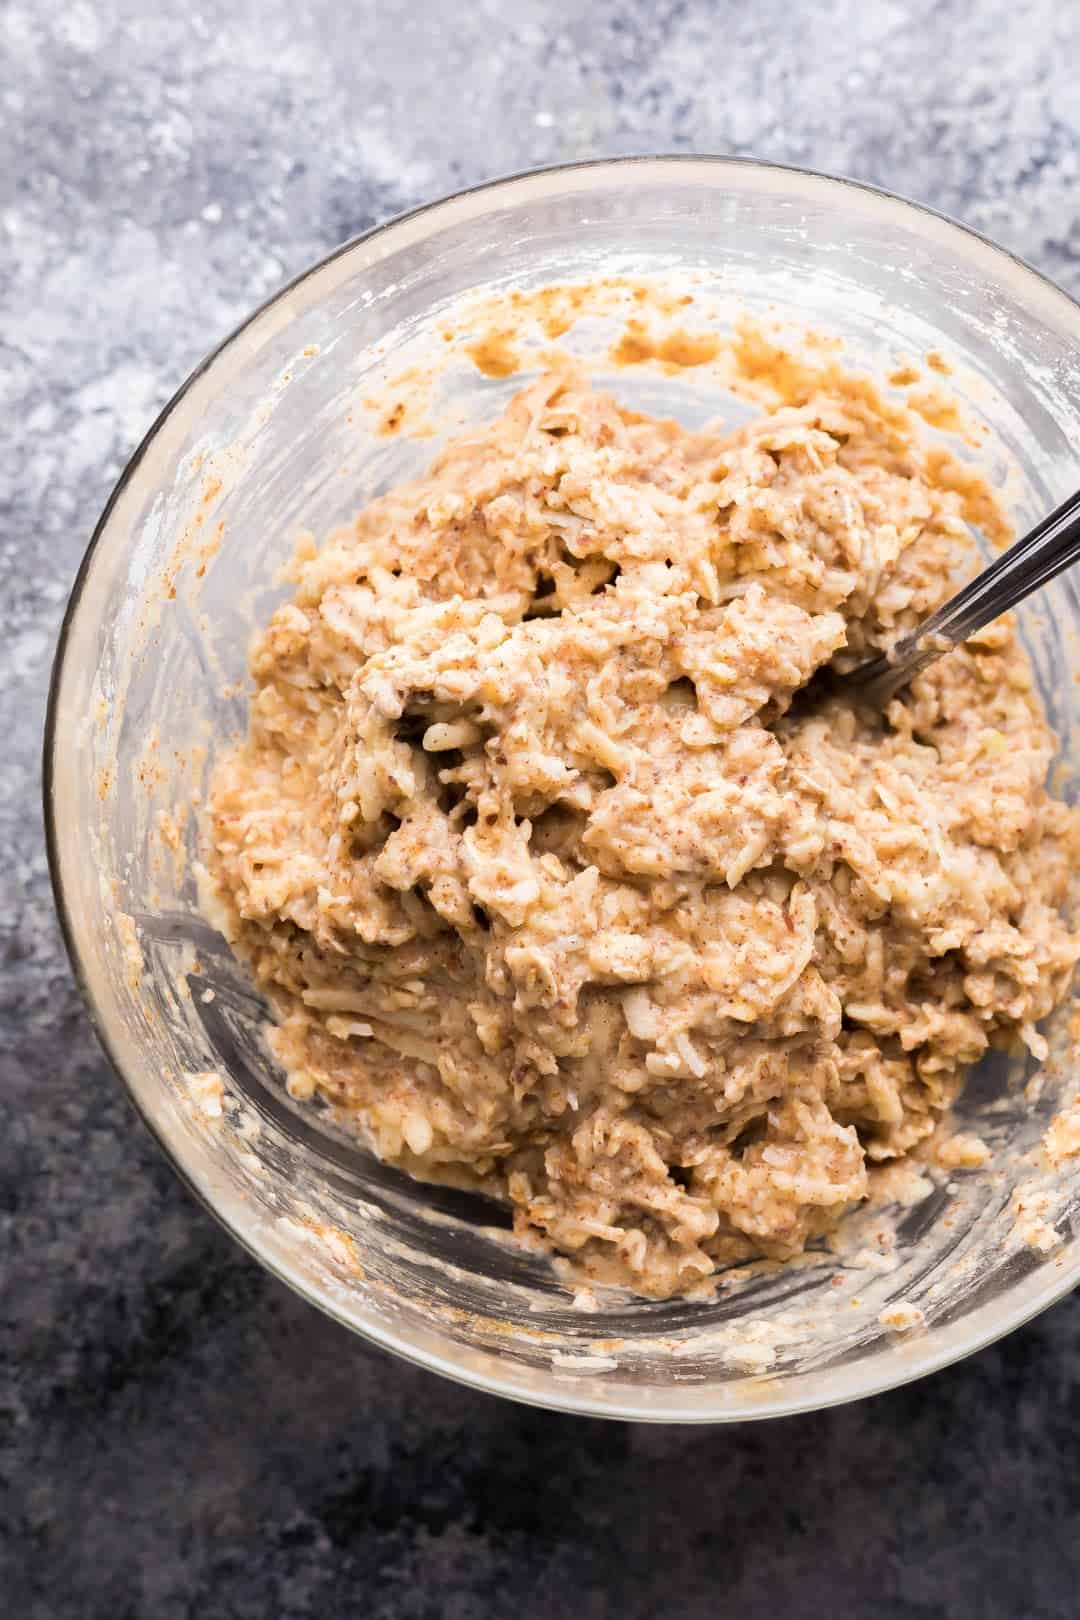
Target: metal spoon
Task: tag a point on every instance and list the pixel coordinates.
(1051, 547)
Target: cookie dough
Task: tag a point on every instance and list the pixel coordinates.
(552, 892)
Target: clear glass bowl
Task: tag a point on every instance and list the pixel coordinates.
(272, 434)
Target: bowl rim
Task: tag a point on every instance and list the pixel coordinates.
(510, 1384)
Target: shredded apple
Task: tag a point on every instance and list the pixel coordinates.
(554, 894)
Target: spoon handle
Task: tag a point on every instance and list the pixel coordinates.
(1051, 546)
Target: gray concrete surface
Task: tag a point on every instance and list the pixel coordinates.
(178, 1435)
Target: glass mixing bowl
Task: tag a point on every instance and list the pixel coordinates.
(282, 429)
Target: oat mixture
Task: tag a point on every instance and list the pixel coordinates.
(554, 896)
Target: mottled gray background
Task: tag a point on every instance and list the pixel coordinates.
(178, 1435)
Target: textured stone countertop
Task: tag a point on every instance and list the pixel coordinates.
(180, 1436)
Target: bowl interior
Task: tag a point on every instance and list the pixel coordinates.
(286, 429)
